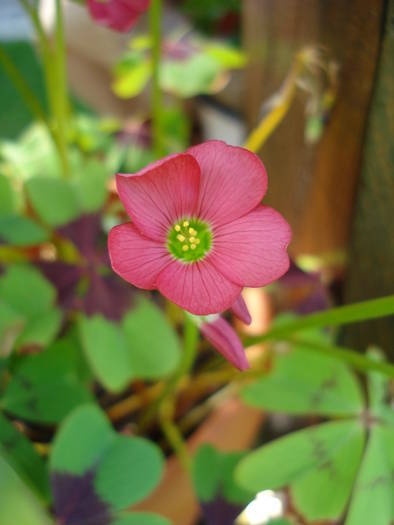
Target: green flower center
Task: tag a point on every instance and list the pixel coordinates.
(189, 240)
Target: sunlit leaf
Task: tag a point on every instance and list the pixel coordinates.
(226, 56)
(187, 78)
(33, 154)
(373, 496)
(323, 492)
(324, 456)
(280, 521)
(18, 505)
(132, 75)
(379, 391)
(302, 382)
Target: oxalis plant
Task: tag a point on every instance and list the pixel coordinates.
(92, 369)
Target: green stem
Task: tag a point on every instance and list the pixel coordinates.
(61, 95)
(155, 31)
(358, 361)
(191, 334)
(53, 63)
(166, 411)
(341, 315)
(22, 87)
(175, 439)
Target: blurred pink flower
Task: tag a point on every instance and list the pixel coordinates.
(224, 339)
(120, 15)
(199, 233)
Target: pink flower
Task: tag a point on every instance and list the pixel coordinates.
(222, 335)
(199, 233)
(120, 15)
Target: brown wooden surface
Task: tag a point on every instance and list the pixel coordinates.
(313, 186)
(371, 268)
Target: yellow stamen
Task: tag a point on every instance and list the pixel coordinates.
(192, 239)
(185, 247)
(177, 228)
(185, 224)
(180, 237)
(192, 231)
(193, 246)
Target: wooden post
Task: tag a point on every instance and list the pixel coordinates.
(313, 186)
(371, 268)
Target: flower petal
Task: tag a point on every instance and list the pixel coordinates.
(160, 194)
(251, 251)
(233, 181)
(136, 258)
(223, 337)
(120, 15)
(197, 287)
(240, 310)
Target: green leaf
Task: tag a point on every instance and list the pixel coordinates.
(141, 518)
(21, 231)
(90, 183)
(41, 330)
(132, 74)
(324, 456)
(373, 496)
(7, 198)
(213, 476)
(129, 471)
(176, 129)
(54, 200)
(228, 57)
(27, 299)
(306, 383)
(11, 325)
(45, 387)
(106, 352)
(84, 437)
(33, 155)
(126, 469)
(379, 390)
(23, 457)
(280, 521)
(323, 492)
(18, 505)
(187, 78)
(25, 290)
(153, 345)
(206, 473)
